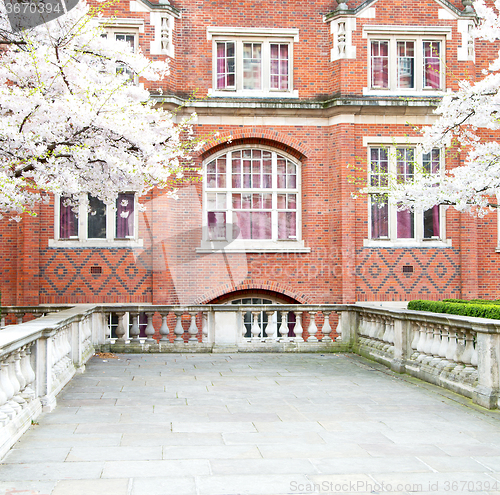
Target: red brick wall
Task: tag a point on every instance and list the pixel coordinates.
(168, 269)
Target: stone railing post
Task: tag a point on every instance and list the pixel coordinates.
(349, 326)
(402, 344)
(487, 391)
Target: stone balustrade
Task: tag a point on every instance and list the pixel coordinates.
(459, 353)
(17, 314)
(37, 359)
(229, 327)
(456, 352)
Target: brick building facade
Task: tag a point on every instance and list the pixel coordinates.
(304, 96)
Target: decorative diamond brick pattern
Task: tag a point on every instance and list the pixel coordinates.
(380, 275)
(66, 276)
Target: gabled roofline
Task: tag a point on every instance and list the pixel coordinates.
(165, 7)
(468, 12)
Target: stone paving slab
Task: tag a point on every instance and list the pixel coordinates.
(254, 424)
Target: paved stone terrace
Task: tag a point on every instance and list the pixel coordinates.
(271, 424)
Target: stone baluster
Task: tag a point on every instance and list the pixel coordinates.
(362, 330)
(28, 372)
(243, 327)
(19, 373)
(312, 329)
(298, 330)
(468, 351)
(11, 408)
(270, 327)
(443, 348)
(460, 351)
(372, 329)
(14, 380)
(422, 342)
(327, 329)
(451, 351)
(204, 326)
(255, 325)
(436, 344)
(193, 329)
(164, 330)
(385, 335)
(150, 329)
(19, 318)
(56, 355)
(474, 357)
(6, 411)
(415, 328)
(429, 340)
(120, 329)
(179, 329)
(134, 329)
(3, 322)
(284, 326)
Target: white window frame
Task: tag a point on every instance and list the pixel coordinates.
(124, 27)
(418, 35)
(392, 144)
(253, 245)
(265, 37)
(83, 240)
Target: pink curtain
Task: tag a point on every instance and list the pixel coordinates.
(405, 224)
(125, 215)
(68, 224)
(380, 217)
(431, 222)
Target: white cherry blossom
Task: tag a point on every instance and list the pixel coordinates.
(70, 124)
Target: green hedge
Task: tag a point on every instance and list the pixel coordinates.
(484, 309)
(471, 301)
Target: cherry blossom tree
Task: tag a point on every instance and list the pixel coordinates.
(464, 116)
(72, 120)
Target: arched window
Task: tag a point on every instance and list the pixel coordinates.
(252, 195)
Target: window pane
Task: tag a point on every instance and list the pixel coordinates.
(406, 65)
(431, 161)
(287, 225)
(216, 221)
(96, 219)
(225, 65)
(379, 216)
(279, 67)
(68, 221)
(252, 66)
(125, 215)
(380, 64)
(431, 223)
(379, 167)
(405, 224)
(405, 164)
(432, 64)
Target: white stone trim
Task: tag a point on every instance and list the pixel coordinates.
(464, 50)
(225, 31)
(155, 46)
(398, 30)
(342, 38)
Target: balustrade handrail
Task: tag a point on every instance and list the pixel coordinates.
(483, 325)
(15, 336)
